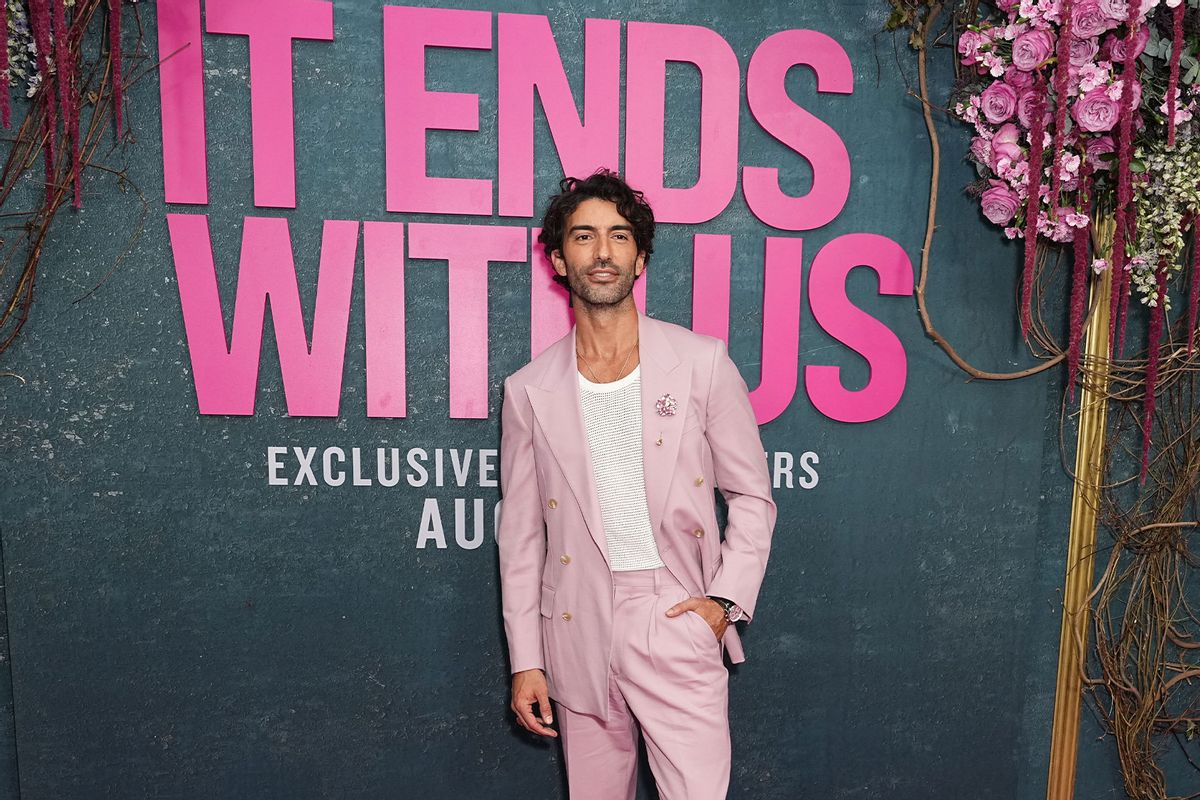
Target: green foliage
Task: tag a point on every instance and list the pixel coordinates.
(1166, 197)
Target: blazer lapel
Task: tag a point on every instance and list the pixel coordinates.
(555, 401)
(556, 406)
(665, 378)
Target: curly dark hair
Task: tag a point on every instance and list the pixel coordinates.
(603, 184)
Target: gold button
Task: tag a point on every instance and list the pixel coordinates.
(565, 559)
(700, 481)
(699, 532)
(552, 503)
(566, 616)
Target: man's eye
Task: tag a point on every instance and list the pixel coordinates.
(621, 236)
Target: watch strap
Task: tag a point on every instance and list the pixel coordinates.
(732, 612)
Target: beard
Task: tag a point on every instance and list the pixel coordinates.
(601, 295)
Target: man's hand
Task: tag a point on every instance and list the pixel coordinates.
(529, 687)
(709, 610)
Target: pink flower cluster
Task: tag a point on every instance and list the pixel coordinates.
(1015, 57)
(1056, 83)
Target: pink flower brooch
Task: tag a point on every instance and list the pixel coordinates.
(666, 406)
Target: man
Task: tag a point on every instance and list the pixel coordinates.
(618, 589)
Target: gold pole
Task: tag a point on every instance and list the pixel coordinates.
(1072, 641)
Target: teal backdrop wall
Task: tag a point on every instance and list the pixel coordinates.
(177, 627)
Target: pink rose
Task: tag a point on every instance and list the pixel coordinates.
(1095, 111)
(1088, 20)
(1117, 10)
(1018, 78)
(1007, 5)
(1084, 50)
(1006, 144)
(1025, 106)
(981, 150)
(1116, 44)
(999, 102)
(999, 203)
(1097, 147)
(1032, 48)
(968, 46)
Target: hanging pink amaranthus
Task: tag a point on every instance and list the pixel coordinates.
(1156, 325)
(1173, 80)
(1079, 281)
(67, 92)
(1123, 307)
(1036, 145)
(5, 112)
(39, 13)
(62, 61)
(69, 95)
(76, 170)
(1124, 209)
(114, 31)
(1062, 70)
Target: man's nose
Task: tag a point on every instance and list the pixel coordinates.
(602, 248)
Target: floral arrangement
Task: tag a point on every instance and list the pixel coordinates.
(1087, 134)
(41, 46)
(61, 88)
(1083, 109)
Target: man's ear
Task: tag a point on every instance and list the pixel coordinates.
(556, 261)
(639, 266)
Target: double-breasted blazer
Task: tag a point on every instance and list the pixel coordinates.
(555, 578)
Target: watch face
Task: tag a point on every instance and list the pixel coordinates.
(734, 614)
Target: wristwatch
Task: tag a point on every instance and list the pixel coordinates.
(733, 612)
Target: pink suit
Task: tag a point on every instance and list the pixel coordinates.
(559, 595)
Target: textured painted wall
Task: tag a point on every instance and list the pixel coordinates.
(180, 628)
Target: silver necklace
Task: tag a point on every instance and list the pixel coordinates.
(620, 372)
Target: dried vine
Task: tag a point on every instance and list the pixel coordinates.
(923, 23)
(1146, 630)
(67, 121)
(1144, 658)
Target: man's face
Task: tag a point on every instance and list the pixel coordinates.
(599, 256)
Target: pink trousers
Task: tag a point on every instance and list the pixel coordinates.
(667, 677)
